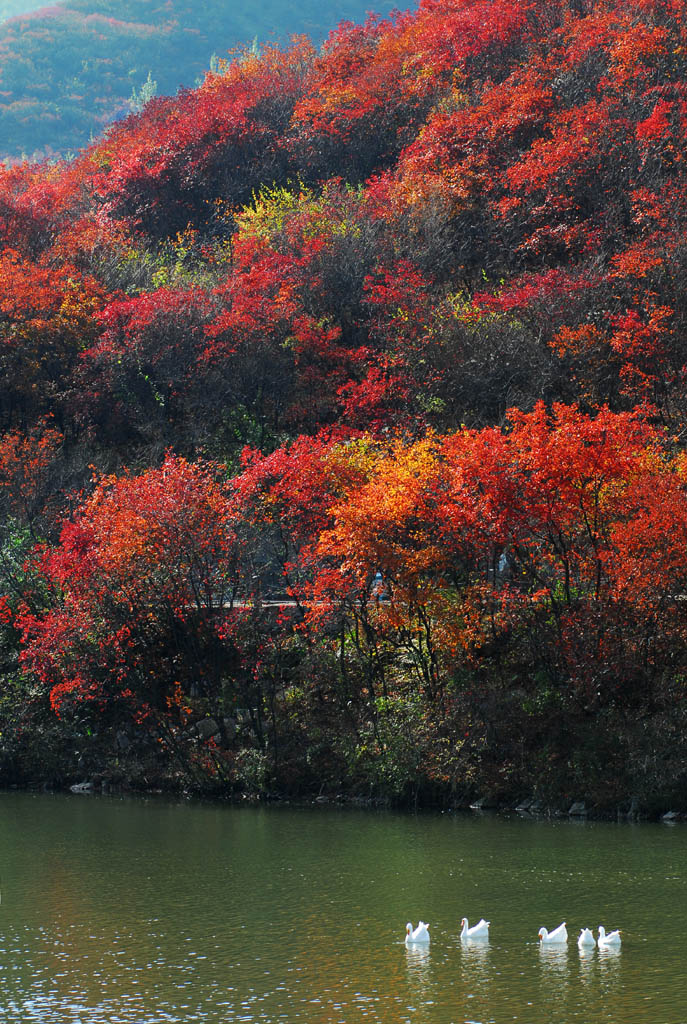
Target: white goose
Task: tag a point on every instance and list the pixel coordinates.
(559, 934)
(420, 934)
(610, 941)
(586, 938)
(478, 931)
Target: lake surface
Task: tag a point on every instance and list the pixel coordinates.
(142, 911)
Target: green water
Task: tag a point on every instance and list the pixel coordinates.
(134, 912)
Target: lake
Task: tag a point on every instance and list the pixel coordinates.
(133, 910)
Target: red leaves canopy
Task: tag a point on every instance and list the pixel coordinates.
(136, 579)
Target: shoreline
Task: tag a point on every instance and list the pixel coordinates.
(525, 810)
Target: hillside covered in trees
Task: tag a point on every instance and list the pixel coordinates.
(70, 68)
(343, 420)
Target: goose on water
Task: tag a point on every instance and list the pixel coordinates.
(610, 940)
(478, 931)
(420, 934)
(586, 938)
(559, 934)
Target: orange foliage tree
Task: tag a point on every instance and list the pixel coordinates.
(140, 581)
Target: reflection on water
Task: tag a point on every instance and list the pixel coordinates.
(554, 960)
(417, 962)
(420, 982)
(609, 967)
(476, 970)
(475, 955)
(586, 956)
(609, 956)
(554, 978)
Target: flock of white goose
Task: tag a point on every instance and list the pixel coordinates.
(480, 933)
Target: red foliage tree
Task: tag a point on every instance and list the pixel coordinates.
(140, 581)
(164, 168)
(46, 318)
(141, 382)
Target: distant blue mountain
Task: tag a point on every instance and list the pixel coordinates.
(67, 70)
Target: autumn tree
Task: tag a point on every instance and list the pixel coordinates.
(141, 583)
